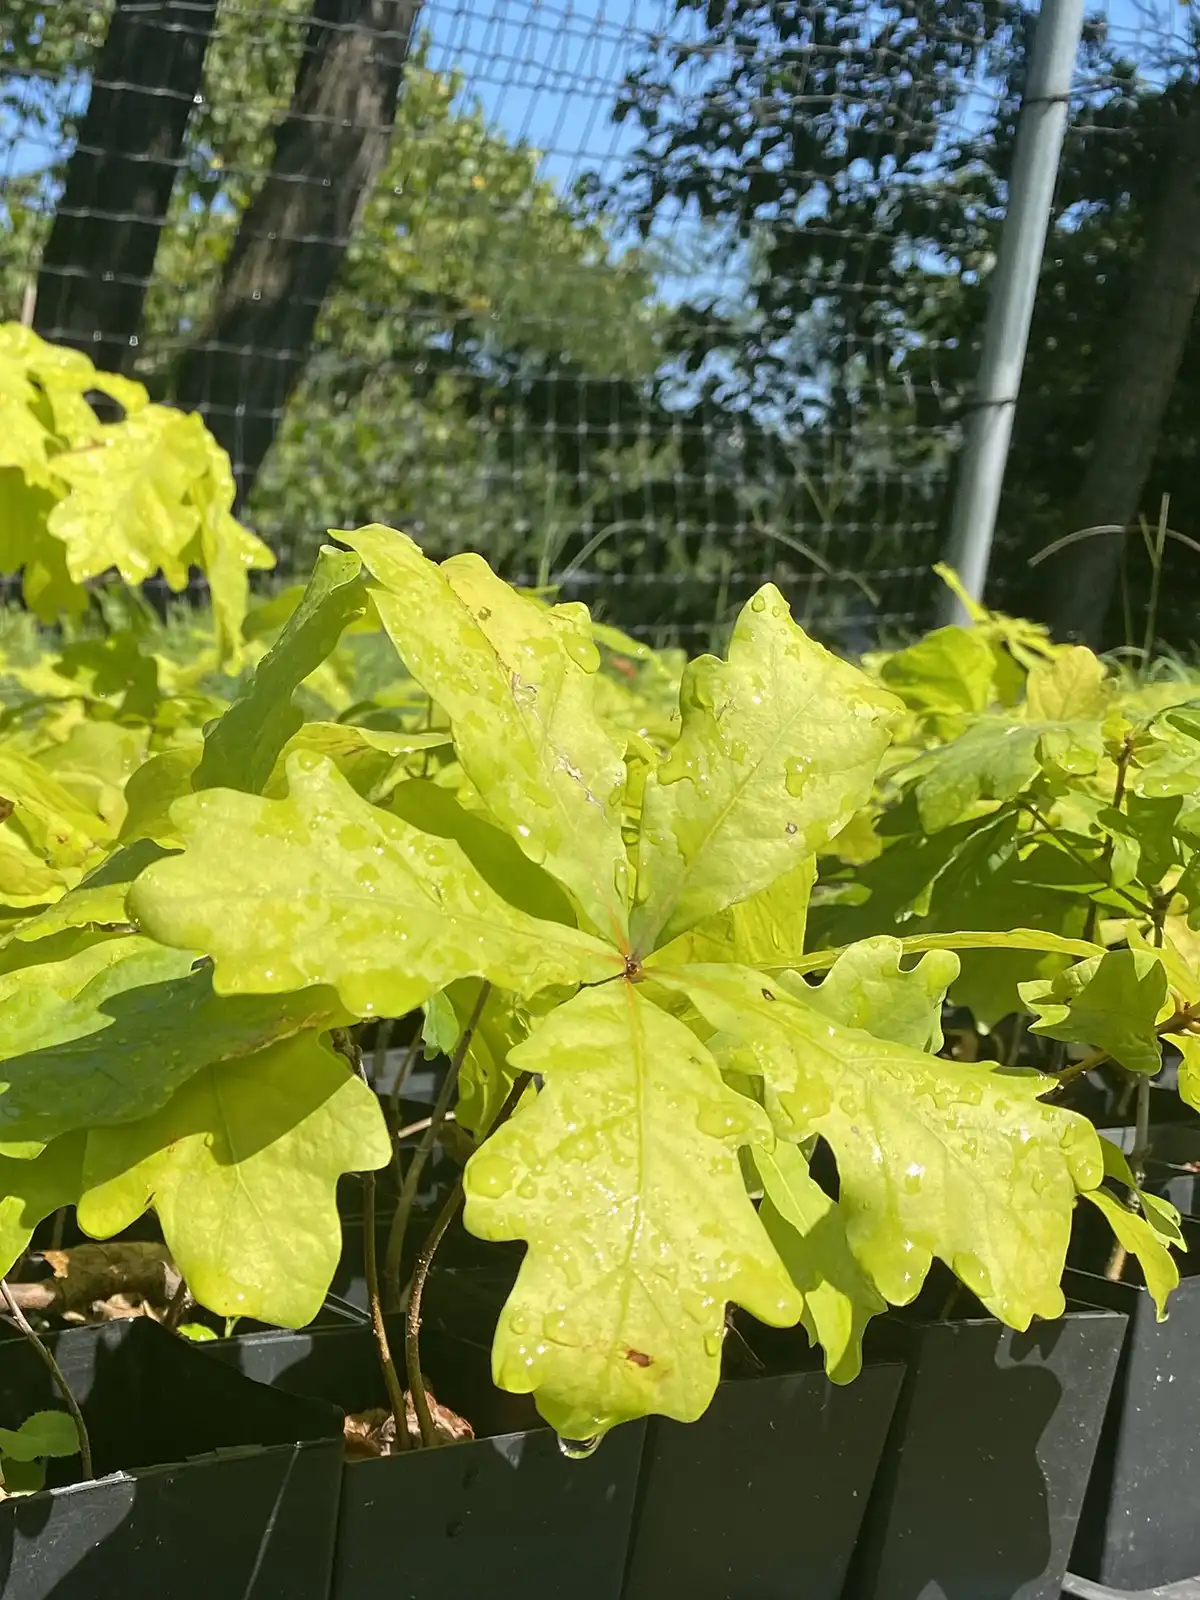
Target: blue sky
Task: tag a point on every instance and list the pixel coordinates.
(548, 72)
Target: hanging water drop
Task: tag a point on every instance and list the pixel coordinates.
(578, 1449)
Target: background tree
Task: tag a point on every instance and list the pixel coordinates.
(473, 304)
(99, 257)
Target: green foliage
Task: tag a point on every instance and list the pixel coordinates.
(242, 1166)
(515, 680)
(778, 748)
(951, 1159)
(46, 1433)
(475, 301)
(623, 1177)
(1112, 1001)
(23, 1449)
(78, 496)
(583, 870)
(429, 782)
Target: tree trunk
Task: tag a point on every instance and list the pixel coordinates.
(99, 258)
(1146, 357)
(329, 151)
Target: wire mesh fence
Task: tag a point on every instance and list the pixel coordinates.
(649, 300)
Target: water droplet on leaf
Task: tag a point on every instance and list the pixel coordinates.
(795, 770)
(490, 1176)
(971, 1270)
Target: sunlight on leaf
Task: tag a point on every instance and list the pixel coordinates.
(241, 750)
(958, 1160)
(623, 1176)
(778, 749)
(119, 1045)
(1142, 1239)
(517, 681)
(242, 1166)
(347, 895)
(807, 1230)
(867, 988)
(1110, 1001)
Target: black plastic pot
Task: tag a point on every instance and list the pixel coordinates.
(207, 1484)
(505, 1516)
(985, 1468)
(762, 1498)
(1140, 1525)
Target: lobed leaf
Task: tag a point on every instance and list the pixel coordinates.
(1110, 1001)
(779, 747)
(806, 1228)
(344, 894)
(955, 1159)
(1071, 687)
(45, 1433)
(948, 671)
(623, 1176)
(127, 504)
(242, 1166)
(81, 1047)
(867, 988)
(517, 682)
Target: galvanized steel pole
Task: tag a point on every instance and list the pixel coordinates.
(1036, 157)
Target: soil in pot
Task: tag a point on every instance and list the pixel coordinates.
(207, 1484)
(984, 1471)
(761, 1499)
(503, 1516)
(1139, 1526)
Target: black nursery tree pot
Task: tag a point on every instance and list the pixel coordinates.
(761, 1499)
(984, 1472)
(207, 1484)
(505, 1516)
(1140, 1526)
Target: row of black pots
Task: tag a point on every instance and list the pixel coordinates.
(1139, 1529)
(225, 1474)
(954, 1468)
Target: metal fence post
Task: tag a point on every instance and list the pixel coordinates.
(1036, 157)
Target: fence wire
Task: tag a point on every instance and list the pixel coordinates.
(647, 300)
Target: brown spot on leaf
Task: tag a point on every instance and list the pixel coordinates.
(6, 809)
(638, 1357)
(791, 828)
(767, 995)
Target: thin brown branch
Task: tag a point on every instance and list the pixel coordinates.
(394, 1259)
(46, 1355)
(412, 1336)
(383, 1348)
(412, 1332)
